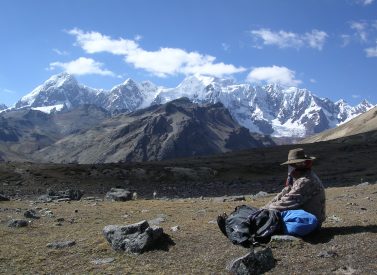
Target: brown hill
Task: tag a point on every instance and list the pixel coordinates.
(363, 123)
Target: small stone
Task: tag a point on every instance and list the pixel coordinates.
(260, 194)
(284, 238)
(60, 219)
(327, 254)
(175, 228)
(102, 261)
(76, 210)
(89, 198)
(31, 214)
(63, 200)
(61, 244)
(18, 223)
(160, 218)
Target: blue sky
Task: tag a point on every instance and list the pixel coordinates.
(328, 47)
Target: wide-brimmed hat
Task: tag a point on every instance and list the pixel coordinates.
(296, 156)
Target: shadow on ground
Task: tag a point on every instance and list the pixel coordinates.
(328, 233)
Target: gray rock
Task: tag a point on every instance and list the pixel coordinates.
(255, 262)
(31, 214)
(175, 228)
(327, 254)
(284, 238)
(18, 223)
(118, 194)
(3, 198)
(260, 194)
(160, 218)
(134, 238)
(63, 200)
(61, 244)
(363, 184)
(229, 199)
(102, 261)
(45, 198)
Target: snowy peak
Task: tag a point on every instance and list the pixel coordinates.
(52, 92)
(271, 109)
(3, 107)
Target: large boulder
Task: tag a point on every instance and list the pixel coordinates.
(255, 262)
(134, 238)
(119, 194)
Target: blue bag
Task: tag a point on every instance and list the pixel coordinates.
(298, 222)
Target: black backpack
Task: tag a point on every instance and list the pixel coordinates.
(249, 226)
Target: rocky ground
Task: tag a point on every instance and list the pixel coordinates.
(346, 244)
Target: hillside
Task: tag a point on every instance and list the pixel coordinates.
(363, 123)
(176, 129)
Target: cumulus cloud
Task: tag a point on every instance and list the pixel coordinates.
(283, 39)
(82, 66)
(371, 52)
(162, 62)
(273, 74)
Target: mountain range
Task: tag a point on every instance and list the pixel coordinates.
(270, 110)
(89, 134)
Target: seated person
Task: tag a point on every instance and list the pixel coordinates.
(303, 189)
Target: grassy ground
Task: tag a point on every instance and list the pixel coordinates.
(348, 235)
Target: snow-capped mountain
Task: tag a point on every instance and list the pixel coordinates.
(270, 109)
(3, 107)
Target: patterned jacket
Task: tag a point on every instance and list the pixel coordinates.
(306, 192)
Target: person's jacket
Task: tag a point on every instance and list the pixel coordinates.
(306, 192)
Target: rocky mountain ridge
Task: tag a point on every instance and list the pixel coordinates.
(270, 110)
(89, 134)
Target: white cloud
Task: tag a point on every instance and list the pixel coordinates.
(82, 66)
(59, 52)
(371, 52)
(273, 74)
(355, 96)
(314, 39)
(95, 42)
(364, 2)
(163, 62)
(361, 30)
(312, 80)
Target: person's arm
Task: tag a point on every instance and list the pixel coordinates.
(278, 196)
(297, 196)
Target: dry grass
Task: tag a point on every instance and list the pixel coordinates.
(199, 247)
